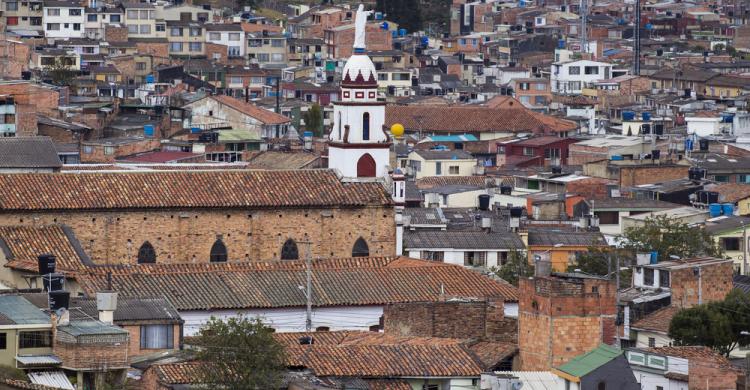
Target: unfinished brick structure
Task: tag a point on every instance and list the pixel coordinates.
(562, 316)
(689, 285)
(462, 319)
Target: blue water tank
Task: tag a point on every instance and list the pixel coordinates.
(689, 144)
(654, 257)
(561, 44)
(616, 157)
(148, 130)
(402, 32)
(727, 208)
(150, 78)
(628, 115)
(727, 118)
(394, 33)
(714, 210)
(195, 130)
(646, 116)
(425, 41)
(384, 25)
(307, 134)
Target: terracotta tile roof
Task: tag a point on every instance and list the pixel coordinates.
(265, 116)
(697, 353)
(429, 182)
(185, 189)
(177, 373)
(369, 281)
(657, 321)
(22, 244)
(385, 360)
(388, 384)
(282, 160)
(490, 353)
(466, 119)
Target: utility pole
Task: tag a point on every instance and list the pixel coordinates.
(637, 38)
(744, 248)
(308, 290)
(584, 10)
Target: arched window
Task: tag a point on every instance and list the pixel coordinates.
(366, 126)
(146, 254)
(338, 136)
(366, 166)
(360, 248)
(289, 250)
(218, 252)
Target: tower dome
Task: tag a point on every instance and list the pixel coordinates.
(359, 71)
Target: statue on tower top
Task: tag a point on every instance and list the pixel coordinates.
(360, 25)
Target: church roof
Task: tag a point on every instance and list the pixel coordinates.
(359, 71)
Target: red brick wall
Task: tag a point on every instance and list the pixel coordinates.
(87, 356)
(221, 50)
(635, 175)
(98, 156)
(160, 50)
(463, 320)
(716, 283)
(17, 56)
(706, 374)
(114, 33)
(559, 319)
(30, 101)
(377, 39)
(134, 347)
(57, 134)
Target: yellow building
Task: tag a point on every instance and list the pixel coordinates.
(561, 247)
(727, 86)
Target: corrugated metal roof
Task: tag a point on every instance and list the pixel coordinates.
(56, 379)
(582, 365)
(435, 239)
(88, 328)
(16, 310)
(34, 360)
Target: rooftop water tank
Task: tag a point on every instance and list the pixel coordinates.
(714, 210)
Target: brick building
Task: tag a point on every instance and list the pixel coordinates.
(187, 217)
(340, 39)
(30, 99)
(463, 319)
(562, 316)
(707, 369)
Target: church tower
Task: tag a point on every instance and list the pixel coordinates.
(358, 145)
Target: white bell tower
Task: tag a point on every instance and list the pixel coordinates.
(358, 145)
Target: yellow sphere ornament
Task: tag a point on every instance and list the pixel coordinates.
(397, 129)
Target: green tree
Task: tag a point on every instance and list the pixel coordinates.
(602, 261)
(239, 353)
(60, 72)
(718, 49)
(669, 237)
(516, 267)
(406, 13)
(718, 325)
(314, 120)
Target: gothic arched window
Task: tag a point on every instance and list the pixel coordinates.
(146, 254)
(366, 126)
(360, 248)
(289, 250)
(218, 252)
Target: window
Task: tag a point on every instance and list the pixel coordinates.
(475, 259)
(438, 168)
(218, 252)
(289, 250)
(53, 26)
(234, 36)
(528, 151)
(523, 86)
(12, 20)
(721, 178)
(109, 150)
(132, 14)
(430, 387)
(433, 256)
(608, 217)
(161, 28)
(648, 276)
(262, 57)
(277, 43)
(601, 386)
(453, 170)
(366, 126)
(88, 149)
(255, 42)
(195, 46)
(146, 254)
(574, 70)
(551, 153)
(3, 341)
(157, 336)
(235, 79)
(651, 342)
(214, 36)
(175, 46)
(74, 12)
(145, 29)
(114, 18)
(195, 31)
(144, 14)
(35, 21)
(92, 17)
(277, 57)
(663, 278)
(233, 51)
(53, 11)
(132, 29)
(13, 6)
(591, 70)
(730, 243)
(175, 31)
(323, 329)
(360, 248)
(140, 66)
(35, 339)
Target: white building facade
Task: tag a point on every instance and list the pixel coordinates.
(572, 77)
(63, 20)
(229, 35)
